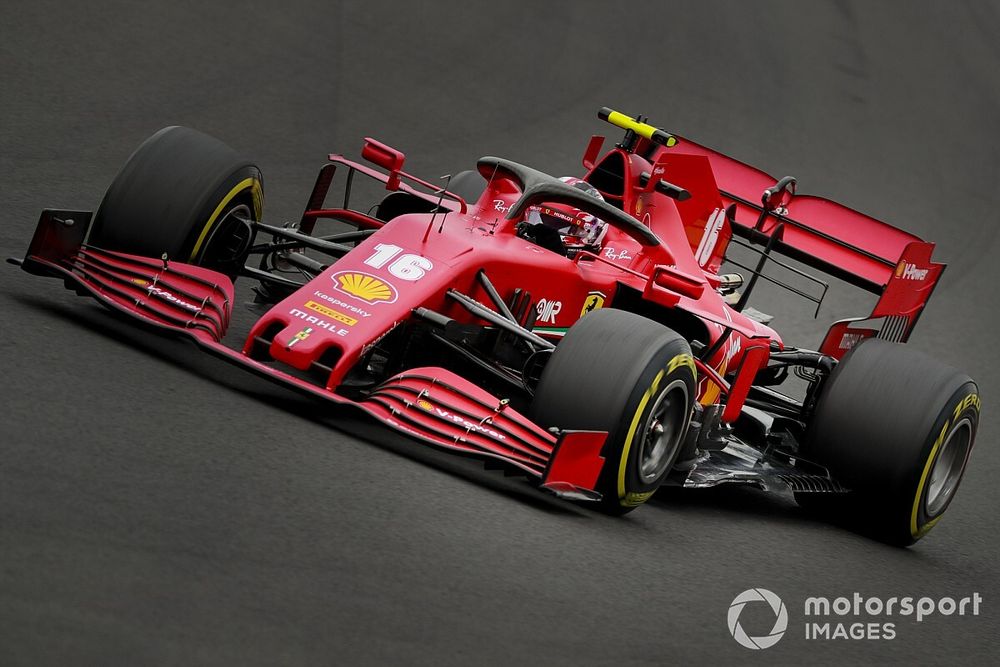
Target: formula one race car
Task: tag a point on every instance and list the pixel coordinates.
(579, 330)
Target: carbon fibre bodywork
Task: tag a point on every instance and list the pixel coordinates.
(358, 330)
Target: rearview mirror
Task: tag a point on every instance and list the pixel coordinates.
(386, 157)
(593, 149)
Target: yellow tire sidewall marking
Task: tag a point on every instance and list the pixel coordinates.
(915, 531)
(630, 499)
(242, 185)
(682, 360)
(631, 432)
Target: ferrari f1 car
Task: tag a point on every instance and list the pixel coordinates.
(581, 331)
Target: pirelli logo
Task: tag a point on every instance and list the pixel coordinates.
(331, 313)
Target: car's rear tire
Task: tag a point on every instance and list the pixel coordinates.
(174, 196)
(622, 373)
(896, 427)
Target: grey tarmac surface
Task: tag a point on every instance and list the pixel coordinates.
(160, 507)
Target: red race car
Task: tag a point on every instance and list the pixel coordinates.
(579, 330)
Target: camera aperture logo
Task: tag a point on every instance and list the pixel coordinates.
(780, 618)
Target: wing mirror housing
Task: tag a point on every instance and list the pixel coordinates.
(386, 157)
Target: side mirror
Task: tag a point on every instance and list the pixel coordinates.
(386, 157)
(777, 197)
(593, 150)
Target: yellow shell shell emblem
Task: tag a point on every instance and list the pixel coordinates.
(363, 286)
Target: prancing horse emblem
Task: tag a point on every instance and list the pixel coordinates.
(593, 301)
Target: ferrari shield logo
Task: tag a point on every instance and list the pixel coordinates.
(593, 301)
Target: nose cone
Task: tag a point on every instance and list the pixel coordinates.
(307, 337)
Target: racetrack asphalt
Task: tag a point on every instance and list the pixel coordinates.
(160, 507)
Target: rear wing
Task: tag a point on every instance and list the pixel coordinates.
(829, 237)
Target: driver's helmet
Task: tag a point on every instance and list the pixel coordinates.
(578, 230)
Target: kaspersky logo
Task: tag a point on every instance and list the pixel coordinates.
(754, 596)
(907, 271)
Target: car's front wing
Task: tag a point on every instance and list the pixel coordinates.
(431, 404)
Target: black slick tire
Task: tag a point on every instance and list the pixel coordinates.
(173, 197)
(897, 428)
(622, 373)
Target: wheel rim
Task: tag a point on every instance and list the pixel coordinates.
(948, 467)
(663, 431)
(223, 240)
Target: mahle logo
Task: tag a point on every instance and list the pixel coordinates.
(780, 618)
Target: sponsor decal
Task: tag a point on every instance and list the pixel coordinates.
(575, 220)
(710, 237)
(318, 322)
(849, 340)
(343, 304)
(634, 499)
(593, 301)
(611, 253)
(331, 313)
(547, 310)
(364, 286)
(164, 294)
(501, 206)
(970, 400)
(425, 405)
(299, 337)
(907, 271)
(469, 425)
(732, 348)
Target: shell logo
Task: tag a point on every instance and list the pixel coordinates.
(425, 405)
(363, 286)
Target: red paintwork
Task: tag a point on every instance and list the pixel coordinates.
(415, 259)
(821, 215)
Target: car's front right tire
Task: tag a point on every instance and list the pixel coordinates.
(174, 197)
